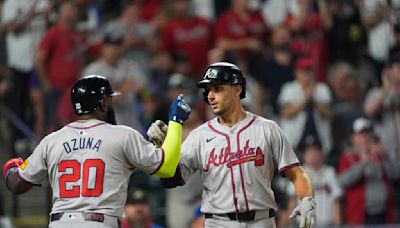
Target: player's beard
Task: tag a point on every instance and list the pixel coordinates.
(111, 116)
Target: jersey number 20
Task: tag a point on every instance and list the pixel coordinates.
(89, 166)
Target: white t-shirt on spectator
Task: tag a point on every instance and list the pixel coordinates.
(22, 45)
(293, 127)
(380, 37)
(276, 11)
(326, 191)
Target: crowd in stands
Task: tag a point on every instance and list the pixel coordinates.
(327, 71)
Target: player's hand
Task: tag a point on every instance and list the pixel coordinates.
(14, 162)
(306, 210)
(179, 110)
(157, 132)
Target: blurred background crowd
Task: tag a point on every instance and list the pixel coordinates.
(327, 71)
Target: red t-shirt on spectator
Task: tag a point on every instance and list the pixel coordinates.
(354, 207)
(231, 25)
(64, 50)
(191, 37)
(149, 8)
(310, 40)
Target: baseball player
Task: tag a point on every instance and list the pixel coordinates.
(89, 161)
(236, 154)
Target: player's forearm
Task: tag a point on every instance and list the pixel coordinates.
(16, 184)
(172, 150)
(303, 186)
(301, 182)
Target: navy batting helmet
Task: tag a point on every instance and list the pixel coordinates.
(223, 73)
(88, 92)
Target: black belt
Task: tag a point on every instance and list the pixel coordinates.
(242, 216)
(87, 216)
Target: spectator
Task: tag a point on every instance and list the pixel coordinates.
(241, 34)
(161, 67)
(149, 8)
(327, 190)
(126, 76)
(396, 48)
(375, 17)
(137, 212)
(24, 24)
(308, 28)
(346, 106)
(305, 107)
(382, 104)
(204, 9)
(138, 37)
(365, 173)
(275, 71)
(177, 84)
(338, 75)
(347, 38)
(58, 65)
(148, 108)
(88, 16)
(275, 11)
(188, 36)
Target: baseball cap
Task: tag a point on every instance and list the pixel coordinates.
(137, 197)
(362, 124)
(304, 63)
(113, 38)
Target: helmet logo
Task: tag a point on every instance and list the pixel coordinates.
(78, 107)
(211, 73)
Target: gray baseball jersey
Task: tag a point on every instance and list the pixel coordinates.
(237, 163)
(89, 164)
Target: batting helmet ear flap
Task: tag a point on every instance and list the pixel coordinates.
(243, 93)
(205, 95)
(103, 105)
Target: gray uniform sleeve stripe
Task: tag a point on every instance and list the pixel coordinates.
(283, 169)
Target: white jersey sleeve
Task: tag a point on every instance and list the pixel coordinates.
(284, 156)
(142, 154)
(34, 168)
(189, 161)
